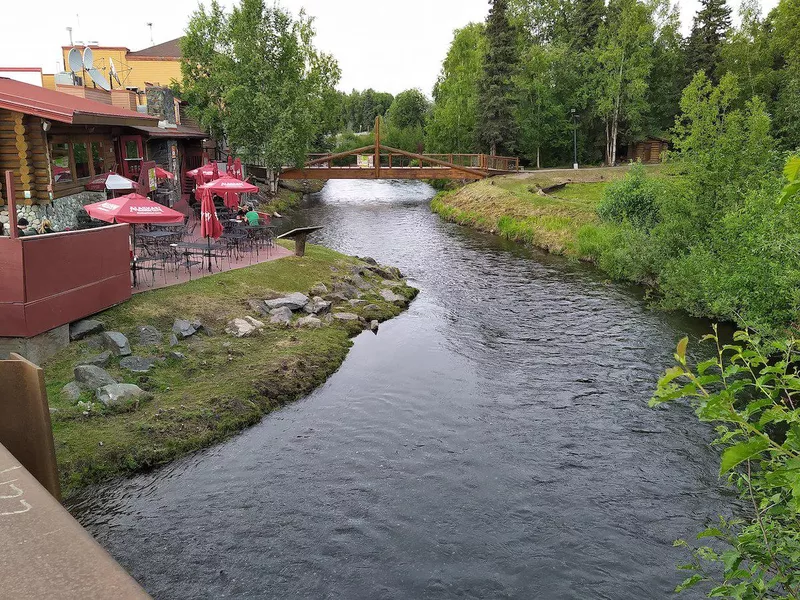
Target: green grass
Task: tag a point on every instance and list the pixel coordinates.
(224, 385)
(514, 207)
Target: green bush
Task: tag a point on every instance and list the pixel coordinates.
(633, 199)
(749, 391)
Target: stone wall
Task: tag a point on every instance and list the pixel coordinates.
(61, 213)
(161, 103)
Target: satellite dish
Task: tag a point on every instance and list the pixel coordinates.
(114, 73)
(88, 59)
(75, 61)
(98, 79)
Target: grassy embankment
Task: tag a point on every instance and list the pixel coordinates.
(514, 207)
(223, 385)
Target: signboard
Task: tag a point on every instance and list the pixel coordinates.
(151, 174)
(366, 161)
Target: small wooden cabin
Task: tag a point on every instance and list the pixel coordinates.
(650, 150)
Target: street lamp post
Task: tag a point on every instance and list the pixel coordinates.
(575, 118)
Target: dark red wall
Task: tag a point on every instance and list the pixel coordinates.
(54, 279)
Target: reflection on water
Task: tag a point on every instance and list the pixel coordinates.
(492, 442)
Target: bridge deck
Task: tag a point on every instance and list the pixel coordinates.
(381, 162)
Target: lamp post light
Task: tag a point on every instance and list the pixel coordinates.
(575, 116)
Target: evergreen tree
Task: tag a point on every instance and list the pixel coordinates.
(710, 29)
(496, 125)
(588, 16)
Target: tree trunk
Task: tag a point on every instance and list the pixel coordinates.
(493, 150)
(538, 164)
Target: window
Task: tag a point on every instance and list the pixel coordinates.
(98, 161)
(62, 169)
(131, 150)
(78, 158)
(81, 156)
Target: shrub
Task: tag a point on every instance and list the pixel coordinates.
(749, 390)
(633, 199)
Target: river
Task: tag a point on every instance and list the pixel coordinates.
(492, 442)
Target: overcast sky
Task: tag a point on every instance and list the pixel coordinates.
(387, 45)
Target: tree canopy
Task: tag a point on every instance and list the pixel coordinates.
(254, 79)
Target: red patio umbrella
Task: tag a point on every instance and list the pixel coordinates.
(132, 209)
(237, 169)
(206, 171)
(164, 174)
(229, 169)
(209, 222)
(229, 188)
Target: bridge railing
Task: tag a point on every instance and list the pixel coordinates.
(474, 161)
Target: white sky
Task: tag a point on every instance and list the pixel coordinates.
(387, 45)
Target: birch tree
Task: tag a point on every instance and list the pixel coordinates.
(624, 59)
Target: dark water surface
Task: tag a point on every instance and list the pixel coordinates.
(492, 442)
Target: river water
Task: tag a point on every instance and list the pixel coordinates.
(492, 442)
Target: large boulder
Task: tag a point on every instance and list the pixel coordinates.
(90, 377)
(346, 289)
(345, 316)
(150, 336)
(81, 329)
(371, 311)
(390, 296)
(240, 328)
(310, 322)
(259, 307)
(357, 302)
(120, 395)
(98, 360)
(317, 306)
(294, 301)
(183, 329)
(137, 364)
(319, 289)
(116, 343)
(71, 391)
(281, 316)
(358, 281)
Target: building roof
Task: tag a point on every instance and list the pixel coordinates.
(181, 131)
(170, 49)
(65, 108)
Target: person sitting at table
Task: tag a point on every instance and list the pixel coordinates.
(46, 227)
(251, 216)
(240, 214)
(24, 228)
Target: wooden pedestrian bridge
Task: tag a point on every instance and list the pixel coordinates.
(384, 162)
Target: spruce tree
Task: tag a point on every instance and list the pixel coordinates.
(711, 26)
(588, 16)
(496, 127)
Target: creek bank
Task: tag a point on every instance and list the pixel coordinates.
(185, 367)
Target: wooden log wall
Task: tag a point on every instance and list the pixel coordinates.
(23, 150)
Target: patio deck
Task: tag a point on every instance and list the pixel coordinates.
(182, 276)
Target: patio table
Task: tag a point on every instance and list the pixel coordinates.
(154, 235)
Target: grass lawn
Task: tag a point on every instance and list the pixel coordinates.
(514, 207)
(223, 384)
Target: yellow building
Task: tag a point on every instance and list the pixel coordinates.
(155, 66)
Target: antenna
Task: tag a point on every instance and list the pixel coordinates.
(150, 25)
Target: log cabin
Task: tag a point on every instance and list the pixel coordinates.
(51, 145)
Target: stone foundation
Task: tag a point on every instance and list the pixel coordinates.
(38, 348)
(61, 212)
